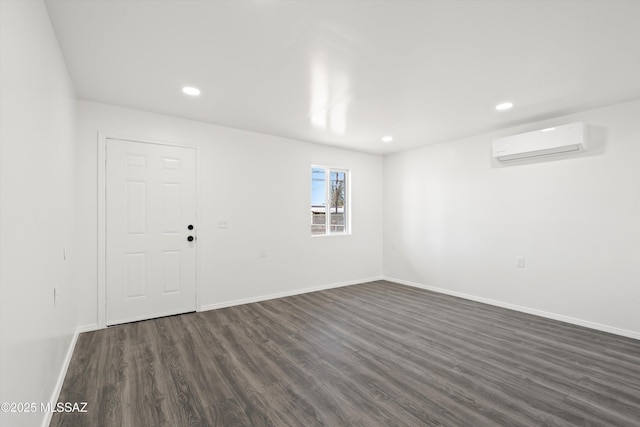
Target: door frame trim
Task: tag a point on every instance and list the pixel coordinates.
(102, 217)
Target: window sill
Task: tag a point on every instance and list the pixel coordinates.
(331, 235)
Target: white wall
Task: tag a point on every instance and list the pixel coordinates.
(37, 111)
(261, 185)
(456, 220)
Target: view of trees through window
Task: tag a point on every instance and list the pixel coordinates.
(329, 201)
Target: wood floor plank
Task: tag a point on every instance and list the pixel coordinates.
(376, 354)
(435, 375)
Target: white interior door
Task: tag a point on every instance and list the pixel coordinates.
(150, 205)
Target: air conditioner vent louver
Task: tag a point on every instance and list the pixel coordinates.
(545, 142)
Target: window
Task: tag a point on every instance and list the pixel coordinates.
(329, 201)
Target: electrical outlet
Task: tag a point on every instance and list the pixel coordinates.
(223, 223)
(520, 262)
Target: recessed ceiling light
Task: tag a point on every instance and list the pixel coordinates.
(504, 106)
(191, 91)
(387, 138)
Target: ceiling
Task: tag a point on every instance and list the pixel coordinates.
(348, 72)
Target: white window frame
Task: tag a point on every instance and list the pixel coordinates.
(327, 192)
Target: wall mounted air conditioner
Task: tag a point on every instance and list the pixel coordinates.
(545, 142)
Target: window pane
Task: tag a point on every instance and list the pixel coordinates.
(318, 201)
(337, 199)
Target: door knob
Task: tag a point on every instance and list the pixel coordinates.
(190, 227)
(190, 238)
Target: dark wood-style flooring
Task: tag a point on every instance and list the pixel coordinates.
(376, 354)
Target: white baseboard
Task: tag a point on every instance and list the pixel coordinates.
(535, 312)
(63, 373)
(250, 300)
(88, 328)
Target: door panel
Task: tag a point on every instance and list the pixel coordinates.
(136, 275)
(136, 207)
(171, 275)
(150, 201)
(171, 208)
